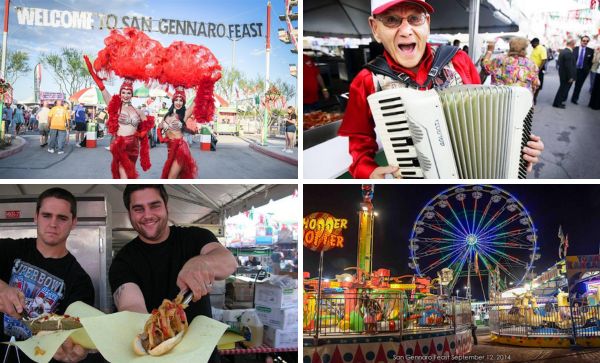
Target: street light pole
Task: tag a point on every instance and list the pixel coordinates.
(234, 40)
(268, 55)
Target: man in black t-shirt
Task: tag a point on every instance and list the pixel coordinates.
(39, 275)
(164, 260)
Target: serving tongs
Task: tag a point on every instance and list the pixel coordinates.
(187, 297)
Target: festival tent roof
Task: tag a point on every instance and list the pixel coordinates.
(188, 204)
(348, 18)
(88, 96)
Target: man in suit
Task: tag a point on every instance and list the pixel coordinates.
(583, 59)
(566, 73)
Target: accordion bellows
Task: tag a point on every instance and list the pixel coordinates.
(467, 132)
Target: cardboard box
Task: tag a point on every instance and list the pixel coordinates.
(283, 319)
(241, 291)
(277, 338)
(275, 297)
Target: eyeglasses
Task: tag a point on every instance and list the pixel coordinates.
(393, 21)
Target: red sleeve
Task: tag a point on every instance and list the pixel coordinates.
(465, 67)
(358, 125)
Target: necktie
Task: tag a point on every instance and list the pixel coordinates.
(580, 58)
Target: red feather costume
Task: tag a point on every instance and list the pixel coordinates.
(133, 55)
(191, 65)
(178, 150)
(125, 149)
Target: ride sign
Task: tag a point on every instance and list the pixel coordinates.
(322, 231)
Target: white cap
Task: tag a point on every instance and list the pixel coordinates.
(379, 6)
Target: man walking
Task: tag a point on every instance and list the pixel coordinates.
(59, 121)
(80, 123)
(42, 117)
(539, 57)
(583, 59)
(566, 73)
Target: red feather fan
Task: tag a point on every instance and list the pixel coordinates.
(191, 65)
(131, 54)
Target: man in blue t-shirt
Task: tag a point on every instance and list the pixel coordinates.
(80, 123)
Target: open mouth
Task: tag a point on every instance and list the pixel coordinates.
(407, 48)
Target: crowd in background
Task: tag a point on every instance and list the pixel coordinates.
(55, 127)
(574, 63)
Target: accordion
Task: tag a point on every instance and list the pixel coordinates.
(467, 132)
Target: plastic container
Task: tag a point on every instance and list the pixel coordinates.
(252, 329)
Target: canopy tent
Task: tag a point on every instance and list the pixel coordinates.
(348, 18)
(27, 102)
(153, 92)
(90, 96)
(188, 204)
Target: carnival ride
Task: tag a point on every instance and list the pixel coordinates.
(472, 229)
(372, 301)
(542, 313)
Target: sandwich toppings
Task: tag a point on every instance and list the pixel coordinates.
(165, 323)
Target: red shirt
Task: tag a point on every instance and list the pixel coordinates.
(358, 122)
(311, 85)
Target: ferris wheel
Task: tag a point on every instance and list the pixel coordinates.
(474, 230)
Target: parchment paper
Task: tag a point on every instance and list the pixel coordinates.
(113, 334)
(51, 342)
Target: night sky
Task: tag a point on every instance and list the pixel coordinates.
(575, 207)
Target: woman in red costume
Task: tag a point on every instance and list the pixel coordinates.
(187, 66)
(179, 164)
(129, 126)
(130, 54)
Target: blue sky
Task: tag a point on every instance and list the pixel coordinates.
(250, 52)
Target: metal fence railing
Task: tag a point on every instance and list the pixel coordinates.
(382, 312)
(547, 319)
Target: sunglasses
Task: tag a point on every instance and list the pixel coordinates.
(393, 21)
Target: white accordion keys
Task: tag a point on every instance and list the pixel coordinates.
(404, 116)
(469, 132)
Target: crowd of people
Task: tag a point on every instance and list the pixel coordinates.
(574, 63)
(55, 122)
(19, 118)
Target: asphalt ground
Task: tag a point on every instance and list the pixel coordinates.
(571, 136)
(234, 159)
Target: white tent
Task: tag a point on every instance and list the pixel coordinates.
(203, 205)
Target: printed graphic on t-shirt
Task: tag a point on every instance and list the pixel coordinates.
(42, 292)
